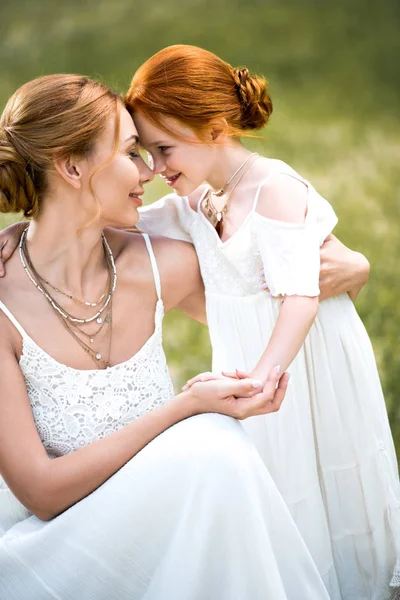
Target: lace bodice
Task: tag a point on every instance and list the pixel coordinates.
(232, 267)
(73, 408)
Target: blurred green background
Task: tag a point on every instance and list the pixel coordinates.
(334, 71)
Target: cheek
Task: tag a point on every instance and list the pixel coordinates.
(124, 174)
(197, 163)
(115, 180)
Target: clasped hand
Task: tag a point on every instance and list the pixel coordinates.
(236, 394)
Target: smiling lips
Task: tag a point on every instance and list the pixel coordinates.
(171, 180)
(136, 198)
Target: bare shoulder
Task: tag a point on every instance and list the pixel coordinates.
(195, 196)
(283, 197)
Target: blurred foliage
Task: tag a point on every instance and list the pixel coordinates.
(334, 71)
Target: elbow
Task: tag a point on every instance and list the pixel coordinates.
(313, 306)
(41, 499)
(44, 507)
(43, 515)
(40, 504)
(365, 268)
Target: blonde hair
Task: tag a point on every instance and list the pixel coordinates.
(52, 117)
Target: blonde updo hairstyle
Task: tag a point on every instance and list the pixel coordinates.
(196, 87)
(49, 118)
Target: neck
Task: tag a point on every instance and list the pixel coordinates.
(229, 158)
(68, 257)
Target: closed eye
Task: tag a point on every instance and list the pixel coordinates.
(164, 148)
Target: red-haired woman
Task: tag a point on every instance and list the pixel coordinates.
(111, 487)
(330, 448)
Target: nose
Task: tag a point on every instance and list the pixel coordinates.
(158, 165)
(146, 174)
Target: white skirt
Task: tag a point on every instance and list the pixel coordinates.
(329, 448)
(194, 516)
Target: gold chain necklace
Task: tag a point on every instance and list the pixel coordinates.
(216, 216)
(78, 300)
(38, 281)
(95, 355)
(72, 324)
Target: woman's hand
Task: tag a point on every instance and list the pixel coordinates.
(209, 376)
(342, 270)
(9, 240)
(238, 398)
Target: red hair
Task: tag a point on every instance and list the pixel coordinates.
(197, 88)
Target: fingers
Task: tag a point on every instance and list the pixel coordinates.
(3, 259)
(264, 285)
(6, 251)
(280, 392)
(208, 376)
(236, 374)
(269, 400)
(243, 388)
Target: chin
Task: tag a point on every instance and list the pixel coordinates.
(126, 221)
(186, 188)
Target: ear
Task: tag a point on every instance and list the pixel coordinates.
(219, 131)
(70, 170)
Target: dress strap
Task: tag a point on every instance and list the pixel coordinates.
(13, 320)
(258, 192)
(274, 174)
(153, 261)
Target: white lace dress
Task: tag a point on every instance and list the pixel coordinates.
(329, 448)
(193, 516)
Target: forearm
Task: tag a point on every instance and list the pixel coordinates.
(68, 479)
(296, 315)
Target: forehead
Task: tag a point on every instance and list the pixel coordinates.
(127, 130)
(150, 134)
(127, 126)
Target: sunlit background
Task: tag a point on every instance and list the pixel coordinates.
(334, 71)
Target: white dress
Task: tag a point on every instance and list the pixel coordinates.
(329, 448)
(193, 516)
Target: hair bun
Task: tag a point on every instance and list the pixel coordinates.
(17, 192)
(254, 98)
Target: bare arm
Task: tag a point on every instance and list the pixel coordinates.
(181, 282)
(49, 486)
(285, 200)
(296, 315)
